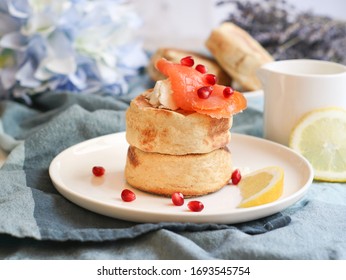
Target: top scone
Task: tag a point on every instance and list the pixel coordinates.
(171, 132)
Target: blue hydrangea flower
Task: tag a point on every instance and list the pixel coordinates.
(81, 46)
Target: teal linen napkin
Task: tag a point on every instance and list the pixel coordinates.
(35, 218)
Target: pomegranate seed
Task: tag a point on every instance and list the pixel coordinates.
(178, 198)
(128, 195)
(201, 68)
(98, 171)
(204, 92)
(187, 61)
(236, 177)
(195, 206)
(227, 92)
(210, 79)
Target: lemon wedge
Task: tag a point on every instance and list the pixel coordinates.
(320, 136)
(261, 186)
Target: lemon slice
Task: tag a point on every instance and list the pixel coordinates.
(261, 186)
(320, 136)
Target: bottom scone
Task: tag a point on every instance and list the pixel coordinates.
(191, 174)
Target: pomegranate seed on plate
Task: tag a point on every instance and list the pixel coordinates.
(195, 206)
(201, 68)
(236, 177)
(128, 195)
(227, 92)
(187, 61)
(178, 198)
(98, 171)
(210, 79)
(204, 92)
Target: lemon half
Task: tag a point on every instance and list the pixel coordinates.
(261, 186)
(320, 136)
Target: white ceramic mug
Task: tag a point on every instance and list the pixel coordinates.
(295, 87)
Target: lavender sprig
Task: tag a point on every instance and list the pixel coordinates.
(287, 33)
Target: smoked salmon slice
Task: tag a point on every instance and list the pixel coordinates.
(186, 81)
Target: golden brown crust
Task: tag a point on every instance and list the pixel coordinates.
(174, 55)
(238, 53)
(174, 132)
(192, 175)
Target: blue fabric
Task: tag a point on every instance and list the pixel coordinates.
(36, 222)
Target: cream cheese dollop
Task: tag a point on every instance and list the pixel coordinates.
(161, 96)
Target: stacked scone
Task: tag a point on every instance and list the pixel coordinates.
(238, 53)
(175, 54)
(178, 132)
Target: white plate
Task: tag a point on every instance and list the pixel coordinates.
(71, 174)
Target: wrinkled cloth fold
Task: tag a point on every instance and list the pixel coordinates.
(32, 211)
